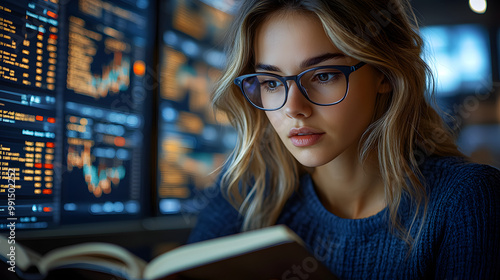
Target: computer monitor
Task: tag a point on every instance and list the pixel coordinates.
(460, 58)
(193, 140)
(107, 110)
(75, 110)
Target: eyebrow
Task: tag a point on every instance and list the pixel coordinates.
(318, 59)
(306, 63)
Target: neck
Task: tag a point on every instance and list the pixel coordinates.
(350, 188)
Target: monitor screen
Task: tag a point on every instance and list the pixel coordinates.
(29, 66)
(74, 110)
(105, 109)
(460, 58)
(193, 140)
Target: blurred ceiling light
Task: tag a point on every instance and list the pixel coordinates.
(478, 6)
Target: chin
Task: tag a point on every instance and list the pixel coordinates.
(313, 161)
(316, 157)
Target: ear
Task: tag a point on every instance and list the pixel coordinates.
(384, 85)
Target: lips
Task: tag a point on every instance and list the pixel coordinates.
(304, 136)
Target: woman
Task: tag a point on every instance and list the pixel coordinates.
(338, 142)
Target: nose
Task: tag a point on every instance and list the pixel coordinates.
(297, 106)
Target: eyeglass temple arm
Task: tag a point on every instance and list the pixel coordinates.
(357, 66)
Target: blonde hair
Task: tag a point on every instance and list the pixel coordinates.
(261, 174)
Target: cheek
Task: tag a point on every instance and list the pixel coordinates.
(356, 111)
(275, 118)
(279, 123)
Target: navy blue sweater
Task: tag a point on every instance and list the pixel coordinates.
(459, 239)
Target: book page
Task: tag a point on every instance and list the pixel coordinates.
(97, 254)
(23, 257)
(196, 254)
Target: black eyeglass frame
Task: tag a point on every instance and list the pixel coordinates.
(346, 70)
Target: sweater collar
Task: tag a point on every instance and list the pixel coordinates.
(353, 226)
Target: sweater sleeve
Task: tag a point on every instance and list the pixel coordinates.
(470, 247)
(218, 218)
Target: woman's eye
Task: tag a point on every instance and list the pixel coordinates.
(271, 84)
(325, 77)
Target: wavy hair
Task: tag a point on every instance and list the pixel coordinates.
(261, 174)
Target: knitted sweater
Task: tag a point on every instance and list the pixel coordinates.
(459, 238)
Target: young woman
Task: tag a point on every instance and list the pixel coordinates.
(338, 142)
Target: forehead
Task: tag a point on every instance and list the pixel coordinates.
(286, 39)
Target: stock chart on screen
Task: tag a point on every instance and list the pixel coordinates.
(29, 39)
(105, 109)
(193, 140)
(105, 99)
(74, 109)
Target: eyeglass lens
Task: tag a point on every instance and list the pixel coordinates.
(322, 86)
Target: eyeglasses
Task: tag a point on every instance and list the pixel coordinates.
(322, 85)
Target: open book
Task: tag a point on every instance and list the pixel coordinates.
(270, 253)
